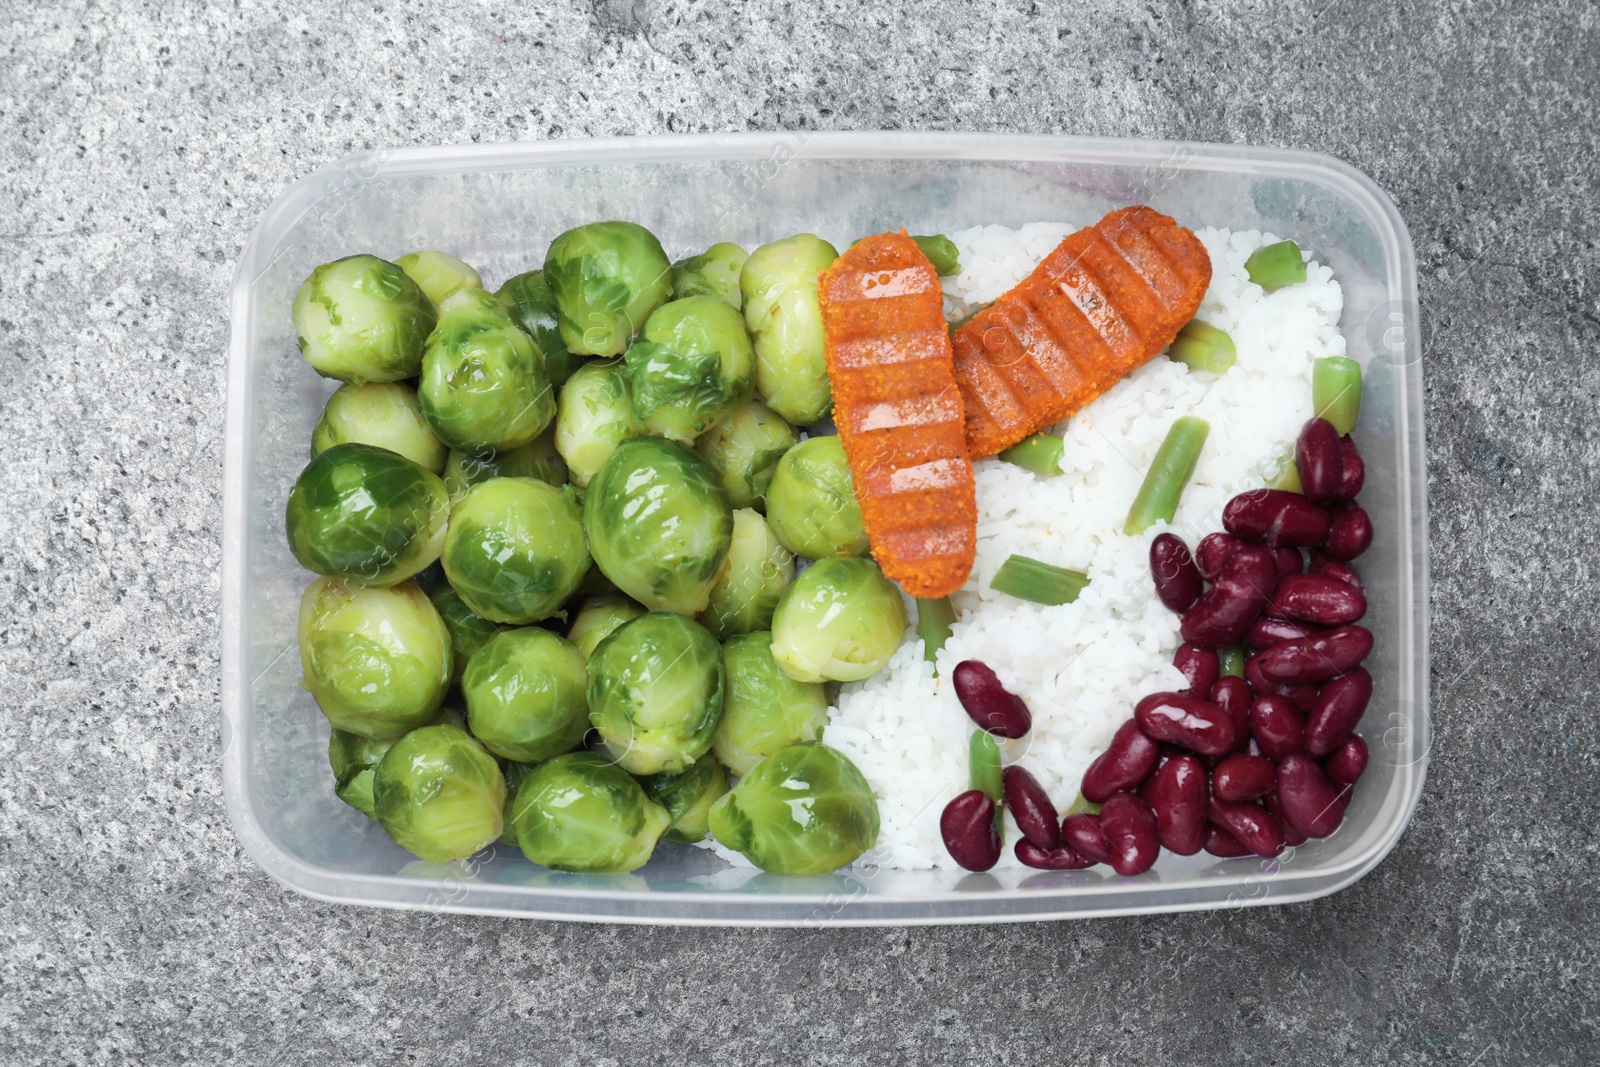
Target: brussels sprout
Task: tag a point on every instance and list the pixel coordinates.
(579, 813)
(714, 272)
(779, 285)
(841, 620)
(383, 414)
(515, 549)
(805, 809)
(536, 459)
(354, 760)
(530, 303)
(439, 793)
(607, 278)
(483, 386)
(514, 774)
(743, 451)
(811, 502)
(595, 415)
(524, 693)
(658, 524)
(599, 618)
(366, 514)
(376, 660)
(688, 798)
(440, 276)
(691, 368)
(655, 693)
(765, 709)
(759, 568)
(362, 319)
(468, 630)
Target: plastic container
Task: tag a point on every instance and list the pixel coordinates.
(498, 206)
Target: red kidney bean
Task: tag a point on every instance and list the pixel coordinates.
(1173, 569)
(1126, 762)
(1233, 696)
(1177, 795)
(1291, 837)
(1241, 590)
(1277, 726)
(1349, 531)
(1345, 764)
(1197, 725)
(1316, 658)
(1338, 709)
(1199, 668)
(1131, 829)
(1222, 844)
(1082, 833)
(1302, 694)
(1328, 567)
(1317, 598)
(1319, 459)
(970, 836)
(1213, 552)
(1354, 473)
(1309, 801)
(1267, 631)
(1252, 824)
(1244, 778)
(1030, 806)
(1060, 858)
(1275, 516)
(989, 703)
(1289, 560)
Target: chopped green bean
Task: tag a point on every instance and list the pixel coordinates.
(1040, 453)
(1230, 661)
(941, 252)
(1277, 265)
(1201, 346)
(1336, 392)
(1169, 473)
(1080, 806)
(1288, 479)
(934, 617)
(983, 766)
(1029, 579)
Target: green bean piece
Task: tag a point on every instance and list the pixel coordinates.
(1336, 392)
(1277, 265)
(941, 252)
(1288, 479)
(1080, 806)
(1169, 473)
(1230, 661)
(983, 766)
(1040, 453)
(1201, 346)
(934, 617)
(1042, 583)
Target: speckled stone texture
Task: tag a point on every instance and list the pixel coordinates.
(141, 141)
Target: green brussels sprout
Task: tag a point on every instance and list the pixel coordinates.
(536, 459)
(691, 368)
(765, 709)
(607, 278)
(599, 618)
(525, 695)
(515, 549)
(483, 386)
(530, 303)
(595, 415)
(514, 774)
(468, 630)
(658, 524)
(779, 286)
(439, 793)
(759, 568)
(811, 502)
(688, 797)
(354, 760)
(714, 272)
(383, 414)
(743, 452)
(805, 809)
(439, 275)
(579, 813)
(655, 693)
(841, 620)
(376, 660)
(366, 514)
(362, 319)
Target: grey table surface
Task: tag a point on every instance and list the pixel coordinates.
(141, 141)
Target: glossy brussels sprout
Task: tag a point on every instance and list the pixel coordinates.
(439, 275)
(688, 798)
(811, 502)
(530, 303)
(580, 813)
(805, 809)
(515, 549)
(658, 524)
(439, 793)
(599, 618)
(354, 760)
(743, 452)
(362, 319)
(383, 414)
(839, 621)
(376, 660)
(779, 285)
(765, 709)
(483, 386)
(595, 415)
(536, 459)
(514, 774)
(655, 693)
(714, 272)
(758, 570)
(366, 514)
(607, 278)
(468, 630)
(691, 368)
(525, 695)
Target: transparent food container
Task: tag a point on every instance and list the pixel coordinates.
(498, 206)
